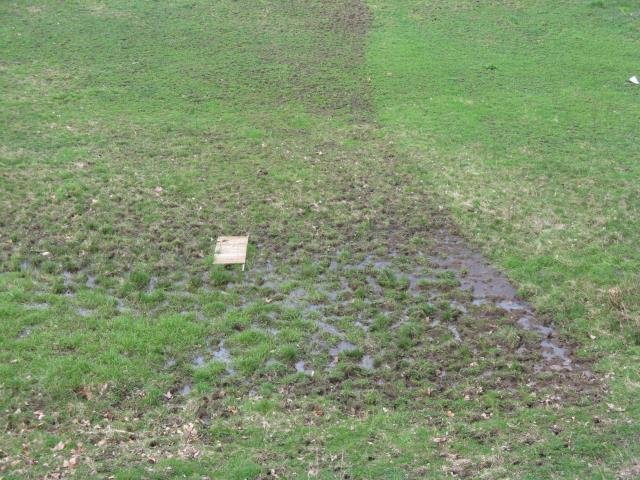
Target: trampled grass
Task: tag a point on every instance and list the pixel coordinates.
(357, 145)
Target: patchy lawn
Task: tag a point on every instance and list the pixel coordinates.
(380, 156)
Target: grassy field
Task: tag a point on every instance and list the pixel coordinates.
(370, 151)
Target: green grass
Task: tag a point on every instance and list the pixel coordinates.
(342, 137)
(519, 115)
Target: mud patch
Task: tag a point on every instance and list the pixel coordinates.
(349, 16)
(440, 314)
(491, 288)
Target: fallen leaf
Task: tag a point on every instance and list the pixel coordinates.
(85, 392)
(189, 452)
(71, 462)
(59, 446)
(189, 432)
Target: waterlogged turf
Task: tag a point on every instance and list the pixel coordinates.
(379, 156)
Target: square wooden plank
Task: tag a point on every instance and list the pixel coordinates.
(230, 250)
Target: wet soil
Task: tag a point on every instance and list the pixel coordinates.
(491, 288)
(218, 353)
(429, 308)
(376, 266)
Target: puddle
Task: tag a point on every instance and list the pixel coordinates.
(455, 332)
(170, 363)
(67, 282)
(331, 295)
(335, 352)
(438, 281)
(403, 321)
(223, 355)
(300, 368)
(120, 306)
(298, 294)
(91, 281)
(361, 325)
(198, 361)
(531, 325)
(25, 332)
(268, 330)
(25, 265)
(364, 264)
(38, 306)
(416, 280)
(153, 283)
(555, 354)
(458, 306)
(312, 307)
(489, 286)
(325, 327)
(513, 306)
(474, 272)
(84, 312)
(220, 354)
(374, 285)
(67, 278)
(381, 264)
(270, 284)
(367, 362)
(375, 262)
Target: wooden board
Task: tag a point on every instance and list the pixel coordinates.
(230, 250)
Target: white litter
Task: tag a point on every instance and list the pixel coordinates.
(635, 80)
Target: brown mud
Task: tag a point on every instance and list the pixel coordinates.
(491, 288)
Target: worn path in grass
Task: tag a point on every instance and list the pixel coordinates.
(367, 339)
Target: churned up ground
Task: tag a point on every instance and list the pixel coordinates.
(442, 200)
